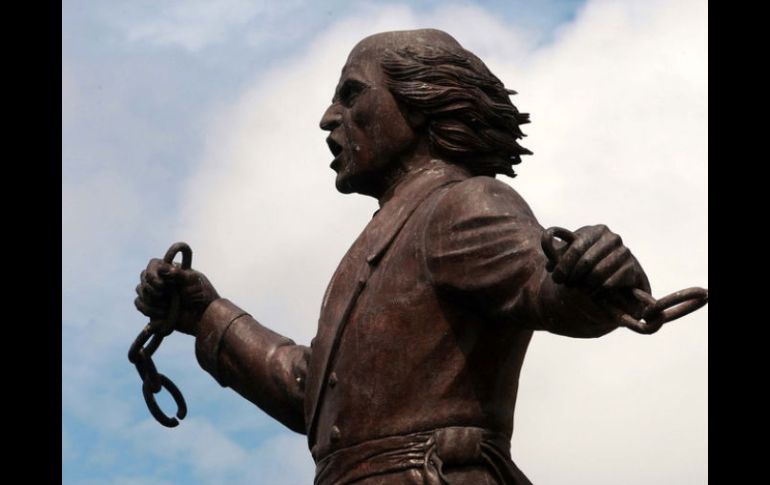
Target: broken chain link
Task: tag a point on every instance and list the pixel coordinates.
(155, 331)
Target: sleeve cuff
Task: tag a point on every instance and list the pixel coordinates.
(215, 322)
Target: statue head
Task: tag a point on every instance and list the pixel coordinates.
(404, 91)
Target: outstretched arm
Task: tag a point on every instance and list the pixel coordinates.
(264, 367)
(483, 247)
(261, 365)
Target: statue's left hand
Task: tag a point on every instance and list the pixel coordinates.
(598, 262)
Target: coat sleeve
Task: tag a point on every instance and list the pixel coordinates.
(482, 245)
(264, 367)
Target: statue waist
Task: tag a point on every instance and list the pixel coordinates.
(429, 451)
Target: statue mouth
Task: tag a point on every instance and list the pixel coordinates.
(336, 150)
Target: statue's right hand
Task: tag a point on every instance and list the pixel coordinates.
(161, 280)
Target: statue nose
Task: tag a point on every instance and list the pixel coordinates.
(331, 119)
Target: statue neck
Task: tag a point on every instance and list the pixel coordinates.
(419, 159)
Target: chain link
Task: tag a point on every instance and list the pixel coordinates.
(140, 353)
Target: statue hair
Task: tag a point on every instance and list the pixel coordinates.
(471, 120)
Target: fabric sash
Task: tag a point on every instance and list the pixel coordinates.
(429, 450)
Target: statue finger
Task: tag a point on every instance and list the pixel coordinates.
(152, 297)
(188, 277)
(154, 265)
(178, 276)
(569, 258)
(606, 244)
(155, 276)
(191, 292)
(607, 267)
(623, 277)
(148, 310)
(149, 292)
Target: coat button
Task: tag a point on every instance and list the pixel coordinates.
(333, 379)
(334, 434)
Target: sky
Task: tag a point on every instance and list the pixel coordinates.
(198, 121)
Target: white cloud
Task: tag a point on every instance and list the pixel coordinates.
(489, 37)
(197, 23)
(281, 460)
(198, 443)
(89, 393)
(99, 209)
(619, 111)
(212, 457)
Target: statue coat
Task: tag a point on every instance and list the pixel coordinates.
(423, 329)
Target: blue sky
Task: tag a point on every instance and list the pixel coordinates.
(197, 121)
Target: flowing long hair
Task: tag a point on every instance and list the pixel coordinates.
(471, 120)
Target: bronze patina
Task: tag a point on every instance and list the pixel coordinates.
(413, 374)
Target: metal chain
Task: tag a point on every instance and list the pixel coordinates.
(140, 353)
(655, 312)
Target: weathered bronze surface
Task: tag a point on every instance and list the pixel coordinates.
(413, 374)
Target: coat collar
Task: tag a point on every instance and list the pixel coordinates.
(404, 199)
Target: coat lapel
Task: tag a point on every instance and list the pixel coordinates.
(355, 269)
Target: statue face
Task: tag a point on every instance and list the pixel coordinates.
(369, 132)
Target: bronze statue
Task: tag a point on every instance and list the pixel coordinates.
(413, 374)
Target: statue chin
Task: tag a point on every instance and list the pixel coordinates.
(343, 185)
(347, 183)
